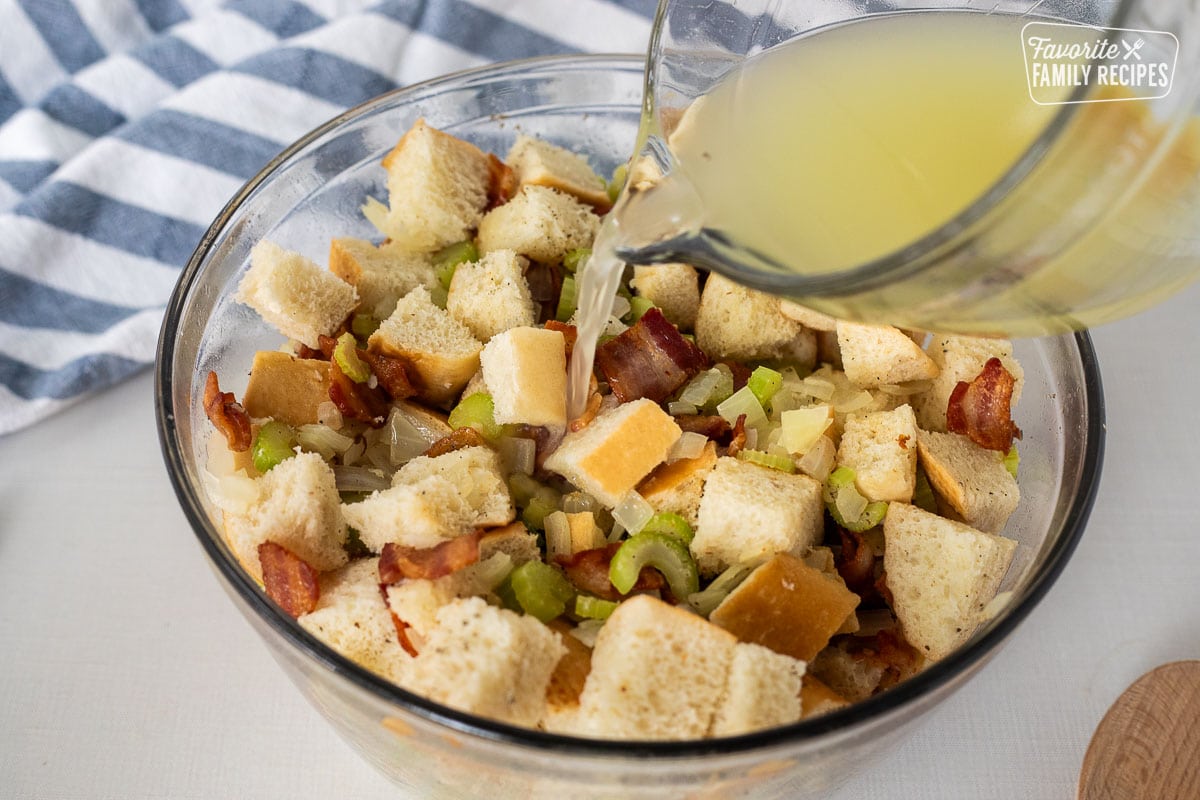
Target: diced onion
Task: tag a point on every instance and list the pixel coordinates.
(633, 512)
(905, 389)
(700, 388)
(997, 604)
(517, 454)
(575, 502)
(235, 493)
(818, 461)
(558, 535)
(678, 408)
(853, 402)
(360, 479)
(486, 575)
(620, 306)
(404, 441)
(614, 327)
(850, 504)
(689, 445)
(380, 456)
(587, 631)
(818, 387)
(741, 402)
(353, 453)
(376, 213)
(323, 439)
(802, 427)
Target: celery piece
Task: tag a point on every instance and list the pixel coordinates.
(781, 463)
(439, 296)
(706, 601)
(566, 300)
(617, 183)
(363, 325)
(541, 505)
(670, 523)
(764, 382)
(574, 259)
(345, 353)
(923, 493)
(275, 443)
(842, 480)
(590, 607)
(446, 260)
(1012, 459)
(723, 389)
(479, 412)
(639, 306)
(662, 551)
(540, 590)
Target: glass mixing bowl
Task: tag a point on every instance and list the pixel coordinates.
(311, 193)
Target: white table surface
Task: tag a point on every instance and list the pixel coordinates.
(126, 673)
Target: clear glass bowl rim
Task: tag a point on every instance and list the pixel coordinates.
(805, 731)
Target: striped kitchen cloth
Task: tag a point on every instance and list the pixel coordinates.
(125, 125)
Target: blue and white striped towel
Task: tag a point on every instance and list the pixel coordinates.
(126, 124)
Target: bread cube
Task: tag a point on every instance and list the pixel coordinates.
(658, 672)
(420, 514)
(381, 275)
(746, 325)
(352, 618)
(675, 288)
(816, 698)
(813, 320)
(874, 355)
(942, 574)
(295, 295)
(971, 479)
(475, 473)
(881, 448)
(788, 606)
(490, 295)
(525, 370)
(487, 661)
(678, 487)
(540, 223)
(749, 513)
(567, 682)
(620, 447)
(961, 358)
(851, 676)
(440, 348)
(763, 690)
(437, 189)
(540, 163)
(286, 388)
(298, 506)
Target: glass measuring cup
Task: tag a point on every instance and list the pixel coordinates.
(1095, 219)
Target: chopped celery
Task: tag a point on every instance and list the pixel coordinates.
(741, 402)
(764, 382)
(923, 493)
(772, 460)
(590, 607)
(705, 602)
(439, 296)
(617, 183)
(639, 306)
(672, 523)
(363, 325)
(345, 353)
(847, 506)
(446, 260)
(566, 300)
(275, 442)
(724, 388)
(1012, 459)
(537, 500)
(479, 412)
(540, 590)
(661, 551)
(574, 259)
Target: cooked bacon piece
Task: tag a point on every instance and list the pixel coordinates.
(568, 331)
(304, 351)
(982, 409)
(714, 427)
(883, 590)
(227, 415)
(397, 562)
(457, 440)
(288, 579)
(502, 182)
(589, 411)
(395, 375)
(856, 563)
(650, 359)
(738, 440)
(741, 374)
(588, 570)
(898, 658)
(545, 284)
(356, 400)
(401, 626)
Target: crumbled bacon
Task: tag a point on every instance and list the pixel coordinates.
(902, 440)
(982, 409)
(568, 331)
(226, 415)
(456, 440)
(589, 412)
(395, 375)
(898, 658)
(738, 440)
(289, 580)
(588, 570)
(856, 563)
(545, 284)
(714, 427)
(400, 625)
(651, 359)
(883, 590)
(502, 182)
(356, 400)
(397, 562)
(741, 374)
